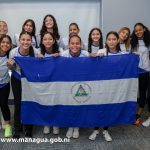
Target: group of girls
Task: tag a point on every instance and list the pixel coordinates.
(50, 44)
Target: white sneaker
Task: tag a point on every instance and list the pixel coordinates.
(75, 133)
(107, 136)
(94, 135)
(146, 123)
(69, 133)
(46, 130)
(55, 130)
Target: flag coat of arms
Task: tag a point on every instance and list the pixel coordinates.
(79, 92)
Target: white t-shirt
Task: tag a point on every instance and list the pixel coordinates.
(123, 48)
(4, 75)
(144, 55)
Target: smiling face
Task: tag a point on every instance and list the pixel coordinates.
(73, 30)
(112, 42)
(28, 27)
(48, 41)
(3, 28)
(5, 45)
(49, 22)
(123, 35)
(75, 45)
(139, 31)
(95, 36)
(25, 41)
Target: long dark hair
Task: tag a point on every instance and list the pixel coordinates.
(9, 38)
(90, 40)
(55, 27)
(117, 36)
(54, 46)
(146, 36)
(31, 50)
(33, 31)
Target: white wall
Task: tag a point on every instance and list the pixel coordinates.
(118, 13)
(111, 15)
(86, 13)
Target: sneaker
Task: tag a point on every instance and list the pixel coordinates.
(69, 133)
(8, 131)
(55, 130)
(93, 135)
(107, 136)
(137, 121)
(46, 130)
(75, 133)
(146, 123)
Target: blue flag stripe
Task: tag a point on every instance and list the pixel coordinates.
(79, 69)
(79, 116)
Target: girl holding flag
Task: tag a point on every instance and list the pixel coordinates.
(24, 50)
(49, 48)
(95, 41)
(74, 51)
(112, 48)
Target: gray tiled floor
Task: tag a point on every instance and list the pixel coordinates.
(127, 137)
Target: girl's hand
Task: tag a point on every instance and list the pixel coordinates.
(11, 64)
(93, 54)
(101, 54)
(136, 53)
(39, 56)
(55, 54)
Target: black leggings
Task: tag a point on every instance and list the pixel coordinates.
(16, 88)
(143, 89)
(4, 94)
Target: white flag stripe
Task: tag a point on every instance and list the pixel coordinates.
(63, 93)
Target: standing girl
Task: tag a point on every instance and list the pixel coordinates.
(112, 48)
(95, 41)
(3, 31)
(28, 26)
(49, 25)
(49, 48)
(74, 51)
(140, 44)
(5, 46)
(24, 50)
(124, 39)
(73, 30)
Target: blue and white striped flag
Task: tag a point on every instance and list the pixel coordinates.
(79, 92)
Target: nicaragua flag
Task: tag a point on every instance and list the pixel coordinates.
(79, 92)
